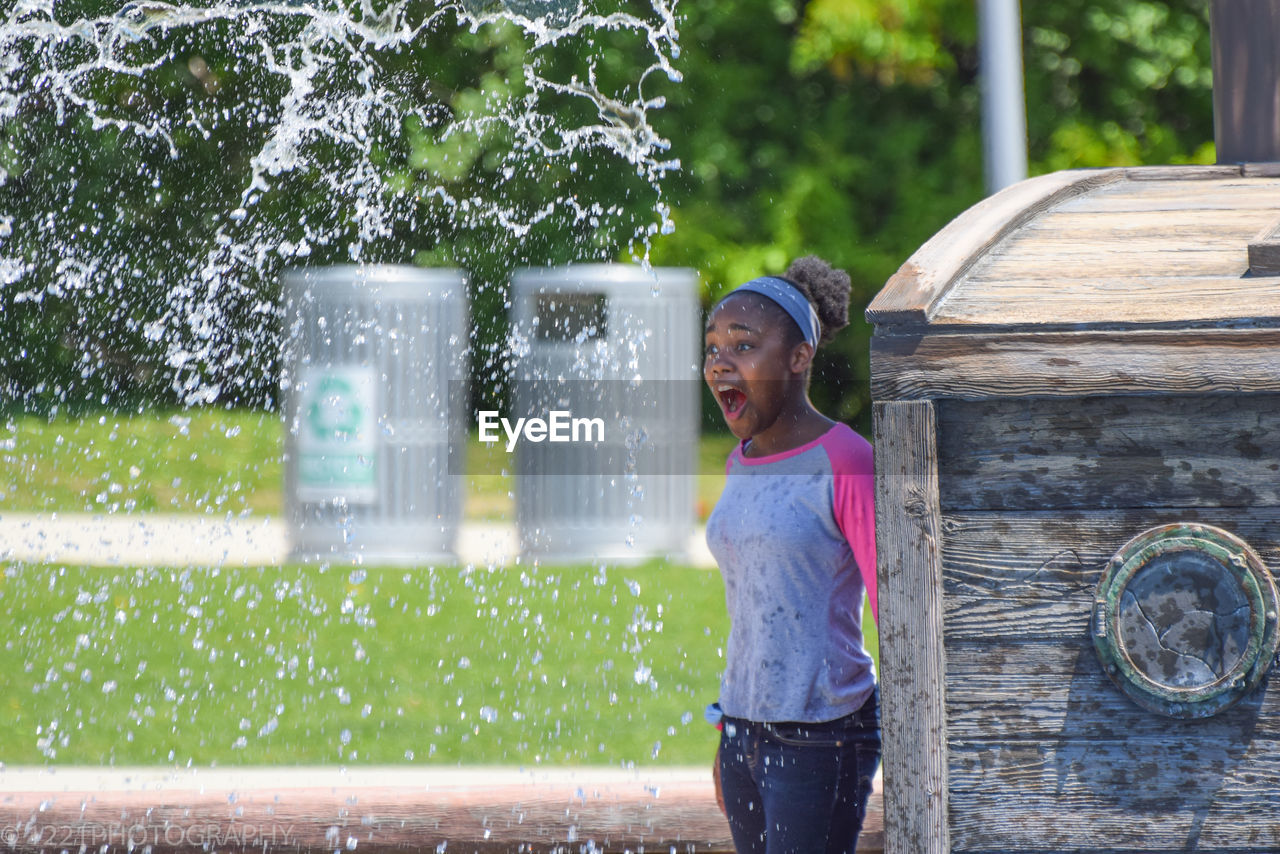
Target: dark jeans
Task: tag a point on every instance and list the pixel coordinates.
(799, 788)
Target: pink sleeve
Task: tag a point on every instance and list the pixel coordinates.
(853, 464)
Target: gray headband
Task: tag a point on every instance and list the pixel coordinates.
(789, 298)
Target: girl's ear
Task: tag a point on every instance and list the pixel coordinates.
(801, 357)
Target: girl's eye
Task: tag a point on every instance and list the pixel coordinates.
(710, 349)
(743, 345)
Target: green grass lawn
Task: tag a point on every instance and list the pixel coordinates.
(312, 664)
(298, 665)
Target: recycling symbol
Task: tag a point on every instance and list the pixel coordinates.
(334, 413)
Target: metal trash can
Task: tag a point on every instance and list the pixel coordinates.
(375, 397)
(618, 345)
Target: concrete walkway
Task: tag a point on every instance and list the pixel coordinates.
(155, 539)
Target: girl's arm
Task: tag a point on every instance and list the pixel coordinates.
(855, 509)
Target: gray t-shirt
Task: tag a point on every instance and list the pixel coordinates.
(794, 536)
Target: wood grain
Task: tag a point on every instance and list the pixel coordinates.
(1031, 576)
(1074, 364)
(926, 275)
(1044, 751)
(1218, 222)
(1099, 269)
(1119, 299)
(1221, 191)
(1128, 794)
(909, 544)
(1121, 451)
(1005, 690)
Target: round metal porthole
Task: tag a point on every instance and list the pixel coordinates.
(1184, 620)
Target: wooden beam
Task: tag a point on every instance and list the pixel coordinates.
(1075, 364)
(909, 566)
(48, 810)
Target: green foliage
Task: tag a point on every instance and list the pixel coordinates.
(846, 128)
(851, 129)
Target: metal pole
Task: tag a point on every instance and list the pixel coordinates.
(1004, 119)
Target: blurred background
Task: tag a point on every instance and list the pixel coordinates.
(846, 128)
(162, 165)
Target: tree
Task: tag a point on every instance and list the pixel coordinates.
(851, 129)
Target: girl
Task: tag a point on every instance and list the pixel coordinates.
(794, 536)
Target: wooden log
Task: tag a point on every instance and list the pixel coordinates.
(909, 549)
(1075, 364)
(910, 293)
(1044, 453)
(381, 810)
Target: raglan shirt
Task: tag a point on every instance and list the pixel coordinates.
(794, 536)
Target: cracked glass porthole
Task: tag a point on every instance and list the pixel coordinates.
(1185, 620)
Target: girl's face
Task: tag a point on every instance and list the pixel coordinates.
(748, 364)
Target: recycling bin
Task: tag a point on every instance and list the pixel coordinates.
(374, 400)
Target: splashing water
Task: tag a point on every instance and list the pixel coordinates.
(161, 163)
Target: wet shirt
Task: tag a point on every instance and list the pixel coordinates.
(794, 537)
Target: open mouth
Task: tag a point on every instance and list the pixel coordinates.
(731, 399)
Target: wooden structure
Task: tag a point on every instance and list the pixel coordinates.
(50, 810)
(1070, 364)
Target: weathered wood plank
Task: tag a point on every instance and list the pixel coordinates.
(1031, 576)
(1210, 226)
(1186, 172)
(1043, 453)
(1219, 193)
(1074, 364)
(1004, 690)
(1108, 795)
(1113, 299)
(909, 547)
(1266, 169)
(1099, 268)
(926, 275)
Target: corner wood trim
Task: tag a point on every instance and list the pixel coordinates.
(912, 663)
(910, 293)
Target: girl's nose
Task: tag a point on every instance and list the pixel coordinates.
(717, 364)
